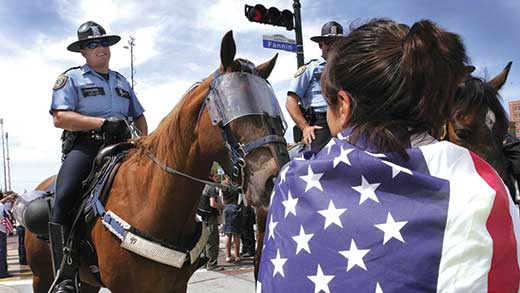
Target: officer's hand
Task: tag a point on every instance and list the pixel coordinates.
(308, 134)
(114, 126)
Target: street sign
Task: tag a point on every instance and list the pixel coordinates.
(279, 42)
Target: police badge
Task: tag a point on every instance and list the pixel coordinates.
(300, 71)
(60, 82)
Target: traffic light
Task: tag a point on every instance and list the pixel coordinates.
(272, 16)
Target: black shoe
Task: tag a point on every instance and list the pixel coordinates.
(65, 286)
(6, 276)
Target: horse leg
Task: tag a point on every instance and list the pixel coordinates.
(261, 219)
(39, 260)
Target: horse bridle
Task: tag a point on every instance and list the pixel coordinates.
(237, 150)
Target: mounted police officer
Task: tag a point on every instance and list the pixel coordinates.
(93, 105)
(305, 103)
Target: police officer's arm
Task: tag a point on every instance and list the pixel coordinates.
(142, 125)
(293, 107)
(73, 121)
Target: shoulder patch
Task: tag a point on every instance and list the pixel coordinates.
(300, 71)
(60, 82)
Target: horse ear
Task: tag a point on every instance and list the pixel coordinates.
(265, 69)
(227, 50)
(498, 81)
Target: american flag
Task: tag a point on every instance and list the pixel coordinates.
(7, 222)
(350, 220)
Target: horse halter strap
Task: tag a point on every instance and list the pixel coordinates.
(238, 150)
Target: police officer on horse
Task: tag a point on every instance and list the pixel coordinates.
(305, 103)
(94, 106)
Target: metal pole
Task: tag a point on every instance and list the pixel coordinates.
(132, 44)
(298, 32)
(8, 161)
(3, 153)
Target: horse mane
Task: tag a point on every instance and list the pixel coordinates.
(475, 93)
(171, 130)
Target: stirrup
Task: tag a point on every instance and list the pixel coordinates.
(65, 285)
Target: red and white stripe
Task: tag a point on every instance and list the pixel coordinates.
(480, 250)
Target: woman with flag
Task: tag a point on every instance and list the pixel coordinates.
(385, 207)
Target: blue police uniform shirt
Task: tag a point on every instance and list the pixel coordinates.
(86, 92)
(306, 85)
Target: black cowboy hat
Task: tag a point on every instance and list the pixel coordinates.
(330, 30)
(91, 31)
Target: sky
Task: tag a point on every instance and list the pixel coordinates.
(178, 43)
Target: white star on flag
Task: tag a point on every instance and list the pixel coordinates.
(283, 173)
(378, 288)
(341, 137)
(332, 215)
(366, 190)
(321, 281)
(272, 225)
(313, 180)
(343, 157)
(302, 241)
(396, 169)
(272, 196)
(329, 145)
(355, 256)
(290, 205)
(278, 263)
(391, 228)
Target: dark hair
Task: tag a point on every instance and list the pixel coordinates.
(400, 79)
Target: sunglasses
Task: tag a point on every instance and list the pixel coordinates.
(93, 45)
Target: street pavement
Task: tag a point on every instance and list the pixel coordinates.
(232, 277)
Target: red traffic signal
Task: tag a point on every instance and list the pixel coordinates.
(272, 16)
(256, 13)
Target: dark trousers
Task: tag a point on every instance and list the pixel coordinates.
(20, 231)
(212, 245)
(323, 135)
(248, 233)
(3, 255)
(74, 169)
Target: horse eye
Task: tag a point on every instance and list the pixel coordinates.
(462, 134)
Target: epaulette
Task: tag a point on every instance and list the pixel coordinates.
(75, 67)
(118, 75)
(310, 61)
(62, 79)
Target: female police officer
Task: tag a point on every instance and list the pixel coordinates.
(91, 103)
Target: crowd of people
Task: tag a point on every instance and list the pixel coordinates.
(8, 227)
(225, 207)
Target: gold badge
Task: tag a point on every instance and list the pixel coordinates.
(300, 71)
(60, 82)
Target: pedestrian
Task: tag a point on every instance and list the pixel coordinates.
(232, 221)
(93, 105)
(248, 232)
(209, 210)
(20, 232)
(5, 228)
(385, 207)
(305, 102)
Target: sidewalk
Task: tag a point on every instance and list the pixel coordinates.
(235, 277)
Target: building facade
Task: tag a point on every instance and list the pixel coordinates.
(514, 116)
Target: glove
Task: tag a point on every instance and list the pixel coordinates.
(114, 127)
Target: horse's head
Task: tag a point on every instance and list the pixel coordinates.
(478, 120)
(243, 105)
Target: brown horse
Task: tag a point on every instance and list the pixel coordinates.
(164, 205)
(478, 120)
